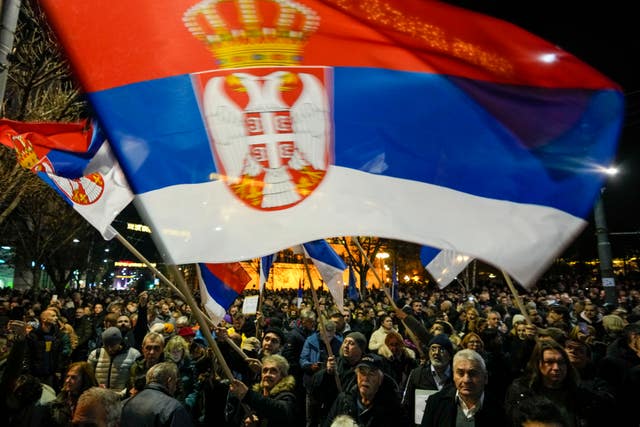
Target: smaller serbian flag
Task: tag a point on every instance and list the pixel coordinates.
(220, 285)
(300, 294)
(330, 266)
(76, 160)
(443, 265)
(352, 290)
(265, 267)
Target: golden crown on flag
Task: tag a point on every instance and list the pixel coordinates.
(247, 33)
(27, 158)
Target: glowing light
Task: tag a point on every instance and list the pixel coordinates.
(549, 58)
(382, 255)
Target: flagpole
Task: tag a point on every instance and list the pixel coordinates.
(323, 331)
(184, 293)
(375, 273)
(204, 326)
(413, 336)
(519, 303)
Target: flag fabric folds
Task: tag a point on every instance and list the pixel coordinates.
(352, 289)
(431, 124)
(220, 285)
(300, 295)
(265, 267)
(394, 281)
(330, 266)
(443, 265)
(76, 161)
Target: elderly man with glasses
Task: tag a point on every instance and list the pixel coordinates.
(429, 377)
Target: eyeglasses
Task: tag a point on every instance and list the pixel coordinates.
(437, 349)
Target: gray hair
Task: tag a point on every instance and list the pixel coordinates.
(307, 313)
(161, 373)
(279, 361)
(472, 355)
(344, 421)
(107, 398)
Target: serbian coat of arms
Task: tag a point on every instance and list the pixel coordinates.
(268, 120)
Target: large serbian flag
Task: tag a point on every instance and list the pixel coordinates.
(248, 126)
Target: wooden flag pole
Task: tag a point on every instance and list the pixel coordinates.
(323, 331)
(173, 287)
(412, 336)
(204, 325)
(375, 273)
(519, 303)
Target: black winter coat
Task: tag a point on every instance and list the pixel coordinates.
(442, 409)
(154, 407)
(384, 411)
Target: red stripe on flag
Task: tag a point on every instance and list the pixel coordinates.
(232, 274)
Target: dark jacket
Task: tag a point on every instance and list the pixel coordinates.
(84, 330)
(154, 406)
(385, 410)
(277, 409)
(43, 356)
(442, 409)
(584, 406)
(420, 378)
(137, 373)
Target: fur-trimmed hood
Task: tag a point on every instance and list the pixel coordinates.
(288, 383)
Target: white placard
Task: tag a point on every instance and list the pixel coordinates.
(421, 397)
(250, 304)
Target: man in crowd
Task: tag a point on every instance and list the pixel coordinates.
(112, 362)
(152, 353)
(84, 331)
(340, 369)
(374, 402)
(155, 405)
(99, 407)
(465, 401)
(43, 352)
(431, 376)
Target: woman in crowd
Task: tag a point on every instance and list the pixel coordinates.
(379, 335)
(79, 378)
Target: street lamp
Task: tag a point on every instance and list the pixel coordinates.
(382, 256)
(604, 246)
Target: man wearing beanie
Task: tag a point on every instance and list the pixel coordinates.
(113, 360)
(431, 376)
(323, 385)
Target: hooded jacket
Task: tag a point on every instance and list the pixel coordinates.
(279, 408)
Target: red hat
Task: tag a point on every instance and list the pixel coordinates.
(186, 331)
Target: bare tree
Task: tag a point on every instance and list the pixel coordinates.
(33, 217)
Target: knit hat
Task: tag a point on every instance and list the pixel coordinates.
(278, 332)
(443, 341)
(517, 318)
(359, 338)
(111, 336)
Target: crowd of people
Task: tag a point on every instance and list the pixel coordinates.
(561, 356)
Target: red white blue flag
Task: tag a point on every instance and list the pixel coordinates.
(443, 265)
(76, 161)
(248, 126)
(220, 285)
